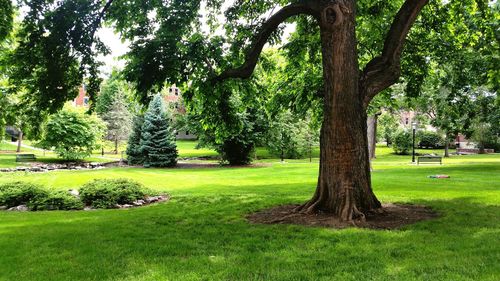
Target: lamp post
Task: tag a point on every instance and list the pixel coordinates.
(414, 127)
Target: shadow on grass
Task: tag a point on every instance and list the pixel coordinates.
(193, 238)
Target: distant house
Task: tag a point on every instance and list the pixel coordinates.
(173, 98)
(82, 100)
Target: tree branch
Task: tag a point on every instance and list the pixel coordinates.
(99, 18)
(252, 56)
(385, 70)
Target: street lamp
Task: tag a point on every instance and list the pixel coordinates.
(414, 127)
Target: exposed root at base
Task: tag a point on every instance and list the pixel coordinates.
(390, 216)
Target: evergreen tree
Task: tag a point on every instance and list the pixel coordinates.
(157, 138)
(118, 121)
(135, 155)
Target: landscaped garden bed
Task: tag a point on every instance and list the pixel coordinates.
(97, 194)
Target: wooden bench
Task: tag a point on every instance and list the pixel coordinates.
(430, 159)
(25, 157)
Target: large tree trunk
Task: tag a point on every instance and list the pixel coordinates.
(19, 141)
(344, 184)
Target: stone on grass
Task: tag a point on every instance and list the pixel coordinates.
(20, 208)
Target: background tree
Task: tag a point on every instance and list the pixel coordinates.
(157, 137)
(72, 134)
(135, 155)
(118, 121)
(6, 18)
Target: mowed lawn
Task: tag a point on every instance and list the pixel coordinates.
(202, 234)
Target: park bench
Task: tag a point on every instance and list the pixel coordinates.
(430, 159)
(25, 157)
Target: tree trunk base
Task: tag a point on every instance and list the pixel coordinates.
(390, 216)
(348, 212)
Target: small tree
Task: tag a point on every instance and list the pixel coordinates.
(135, 156)
(402, 142)
(157, 138)
(387, 126)
(118, 120)
(73, 134)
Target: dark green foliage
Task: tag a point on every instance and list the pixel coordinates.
(107, 193)
(157, 138)
(57, 200)
(36, 197)
(135, 155)
(21, 193)
(402, 142)
(236, 150)
(6, 18)
(428, 139)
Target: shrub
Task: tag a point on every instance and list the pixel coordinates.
(36, 198)
(106, 193)
(21, 193)
(72, 134)
(428, 139)
(57, 200)
(236, 151)
(402, 142)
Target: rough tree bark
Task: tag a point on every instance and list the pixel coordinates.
(344, 184)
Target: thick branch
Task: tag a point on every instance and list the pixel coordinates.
(99, 18)
(383, 71)
(252, 56)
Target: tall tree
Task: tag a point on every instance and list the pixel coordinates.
(135, 156)
(157, 137)
(168, 43)
(118, 121)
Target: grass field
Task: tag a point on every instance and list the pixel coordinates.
(201, 234)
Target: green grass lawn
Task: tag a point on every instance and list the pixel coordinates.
(201, 234)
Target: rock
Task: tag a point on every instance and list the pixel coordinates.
(35, 169)
(21, 169)
(20, 208)
(5, 170)
(74, 192)
(138, 203)
(3, 208)
(124, 206)
(88, 208)
(151, 199)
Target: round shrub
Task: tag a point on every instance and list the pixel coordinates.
(21, 193)
(402, 142)
(107, 193)
(428, 139)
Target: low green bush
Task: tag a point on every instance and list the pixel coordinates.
(428, 139)
(106, 193)
(21, 193)
(402, 142)
(57, 200)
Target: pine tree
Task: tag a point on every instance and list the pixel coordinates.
(118, 120)
(135, 155)
(157, 138)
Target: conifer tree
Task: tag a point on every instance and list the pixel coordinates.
(135, 155)
(157, 137)
(118, 120)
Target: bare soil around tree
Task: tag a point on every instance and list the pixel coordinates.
(393, 216)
